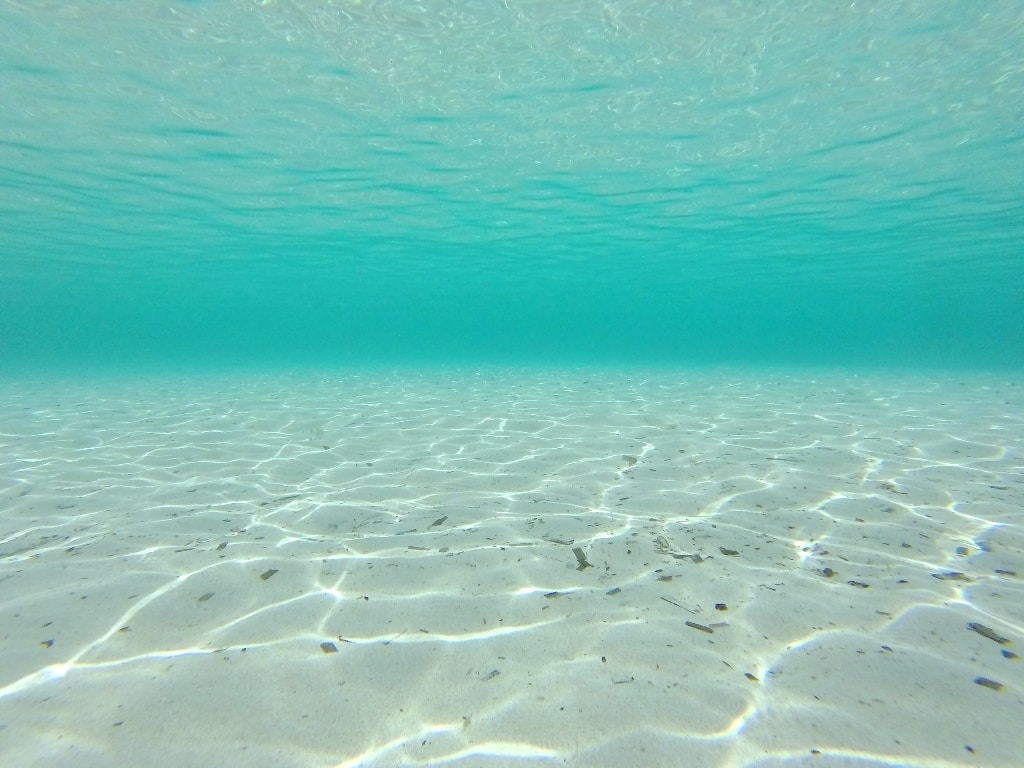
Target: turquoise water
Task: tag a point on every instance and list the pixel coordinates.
(274, 184)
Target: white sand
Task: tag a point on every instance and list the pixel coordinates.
(424, 524)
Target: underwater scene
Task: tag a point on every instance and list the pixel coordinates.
(511, 383)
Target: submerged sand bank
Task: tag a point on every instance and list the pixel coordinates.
(564, 568)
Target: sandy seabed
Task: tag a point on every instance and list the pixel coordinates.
(526, 568)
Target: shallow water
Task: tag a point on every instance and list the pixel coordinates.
(553, 383)
(306, 183)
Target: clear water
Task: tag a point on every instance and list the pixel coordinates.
(410, 304)
(197, 184)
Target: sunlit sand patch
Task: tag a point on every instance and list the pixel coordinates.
(528, 567)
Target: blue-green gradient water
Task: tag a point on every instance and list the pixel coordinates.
(280, 183)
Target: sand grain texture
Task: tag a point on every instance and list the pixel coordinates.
(423, 525)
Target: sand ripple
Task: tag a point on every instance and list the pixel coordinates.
(379, 569)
